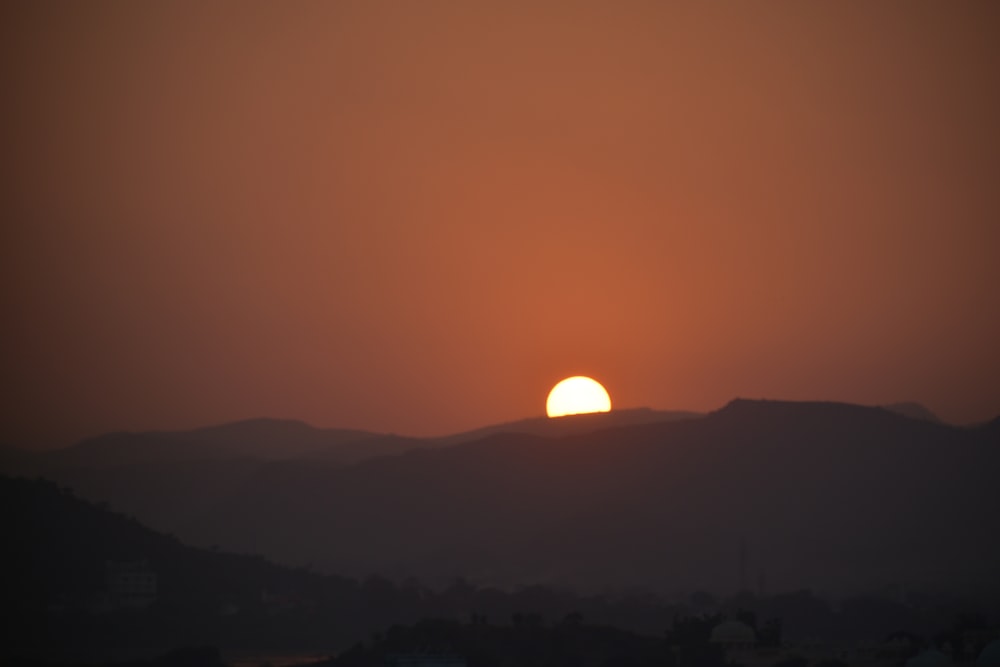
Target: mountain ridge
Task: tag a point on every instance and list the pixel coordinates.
(829, 494)
(269, 439)
(273, 439)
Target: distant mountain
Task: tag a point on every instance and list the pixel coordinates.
(991, 428)
(573, 424)
(913, 411)
(265, 439)
(11, 456)
(824, 495)
(369, 448)
(283, 440)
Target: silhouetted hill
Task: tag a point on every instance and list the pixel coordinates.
(58, 603)
(991, 429)
(57, 547)
(11, 456)
(825, 495)
(359, 450)
(282, 440)
(572, 424)
(266, 439)
(170, 474)
(913, 411)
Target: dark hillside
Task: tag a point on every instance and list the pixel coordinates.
(828, 496)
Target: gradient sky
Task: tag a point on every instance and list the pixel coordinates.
(418, 216)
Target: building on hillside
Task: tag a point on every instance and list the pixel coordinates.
(738, 640)
(131, 584)
(733, 635)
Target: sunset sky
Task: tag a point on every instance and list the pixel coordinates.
(418, 216)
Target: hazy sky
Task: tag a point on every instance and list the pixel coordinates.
(418, 216)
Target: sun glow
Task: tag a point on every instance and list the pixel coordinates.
(577, 395)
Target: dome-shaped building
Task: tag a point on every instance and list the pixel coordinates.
(733, 634)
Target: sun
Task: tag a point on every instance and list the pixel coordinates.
(576, 396)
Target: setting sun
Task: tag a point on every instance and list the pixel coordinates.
(577, 395)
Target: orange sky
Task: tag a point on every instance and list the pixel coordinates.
(417, 217)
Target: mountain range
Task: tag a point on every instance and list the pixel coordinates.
(768, 495)
(285, 439)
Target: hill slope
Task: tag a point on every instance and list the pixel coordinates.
(265, 439)
(830, 496)
(56, 595)
(283, 440)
